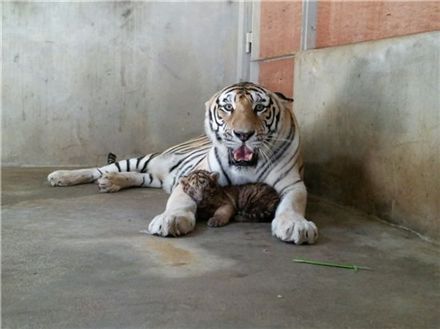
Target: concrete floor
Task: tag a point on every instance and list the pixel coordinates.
(74, 258)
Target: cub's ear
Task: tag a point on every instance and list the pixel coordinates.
(215, 175)
(184, 180)
(283, 97)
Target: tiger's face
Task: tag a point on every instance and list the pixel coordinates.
(245, 118)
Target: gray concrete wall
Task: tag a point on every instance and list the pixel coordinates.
(83, 79)
(370, 117)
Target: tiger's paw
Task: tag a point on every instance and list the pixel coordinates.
(172, 224)
(70, 177)
(109, 183)
(58, 178)
(297, 230)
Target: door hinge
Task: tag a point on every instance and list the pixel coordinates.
(248, 42)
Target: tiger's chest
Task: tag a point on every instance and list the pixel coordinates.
(240, 176)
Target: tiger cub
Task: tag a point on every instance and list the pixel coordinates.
(255, 202)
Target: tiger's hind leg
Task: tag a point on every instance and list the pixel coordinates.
(73, 177)
(117, 175)
(115, 181)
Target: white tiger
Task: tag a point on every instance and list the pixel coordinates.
(251, 136)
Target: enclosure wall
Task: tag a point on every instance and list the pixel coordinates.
(370, 120)
(81, 79)
(287, 27)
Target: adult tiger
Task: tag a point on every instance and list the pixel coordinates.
(251, 136)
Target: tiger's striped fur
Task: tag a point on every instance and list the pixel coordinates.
(251, 136)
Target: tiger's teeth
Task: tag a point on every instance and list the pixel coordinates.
(248, 157)
(243, 153)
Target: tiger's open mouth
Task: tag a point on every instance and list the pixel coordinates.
(243, 156)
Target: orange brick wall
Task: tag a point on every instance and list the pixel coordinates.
(278, 76)
(344, 22)
(338, 23)
(280, 36)
(280, 28)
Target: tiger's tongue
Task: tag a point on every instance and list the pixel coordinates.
(242, 154)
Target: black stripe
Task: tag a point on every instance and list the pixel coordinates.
(290, 159)
(282, 176)
(143, 180)
(287, 188)
(118, 166)
(151, 178)
(221, 167)
(111, 158)
(194, 154)
(274, 158)
(176, 165)
(100, 172)
(138, 161)
(128, 164)
(191, 166)
(282, 96)
(183, 171)
(277, 120)
(146, 162)
(184, 144)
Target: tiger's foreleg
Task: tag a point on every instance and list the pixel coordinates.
(178, 217)
(289, 223)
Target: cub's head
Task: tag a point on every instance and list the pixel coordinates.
(200, 184)
(247, 119)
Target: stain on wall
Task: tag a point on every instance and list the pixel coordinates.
(370, 121)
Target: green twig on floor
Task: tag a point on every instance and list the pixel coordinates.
(331, 264)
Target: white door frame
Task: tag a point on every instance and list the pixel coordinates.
(248, 41)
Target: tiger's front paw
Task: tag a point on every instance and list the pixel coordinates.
(109, 183)
(172, 224)
(298, 230)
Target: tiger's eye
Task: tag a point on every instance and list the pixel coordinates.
(259, 107)
(227, 107)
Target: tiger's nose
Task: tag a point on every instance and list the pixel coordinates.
(243, 136)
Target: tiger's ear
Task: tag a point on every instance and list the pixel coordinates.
(209, 102)
(215, 175)
(283, 97)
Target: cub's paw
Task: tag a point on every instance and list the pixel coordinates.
(172, 224)
(291, 228)
(109, 183)
(217, 221)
